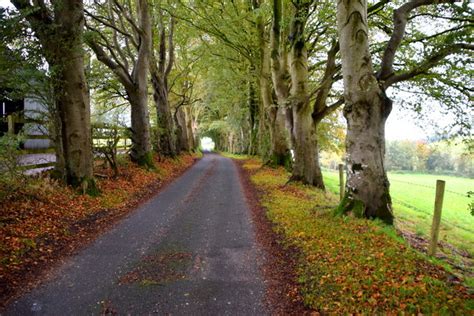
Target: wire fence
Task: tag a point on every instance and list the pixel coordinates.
(427, 186)
(448, 222)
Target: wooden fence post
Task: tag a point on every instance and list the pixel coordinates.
(341, 181)
(438, 206)
(11, 124)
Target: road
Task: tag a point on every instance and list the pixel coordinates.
(190, 250)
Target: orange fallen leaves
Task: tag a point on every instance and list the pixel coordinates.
(37, 228)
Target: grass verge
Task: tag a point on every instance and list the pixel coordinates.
(350, 265)
(413, 199)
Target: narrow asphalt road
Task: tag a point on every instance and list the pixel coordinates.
(190, 250)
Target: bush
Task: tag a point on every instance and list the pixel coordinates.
(12, 178)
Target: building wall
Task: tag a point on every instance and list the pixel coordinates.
(35, 109)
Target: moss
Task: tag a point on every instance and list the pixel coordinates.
(384, 212)
(358, 208)
(89, 186)
(283, 160)
(349, 205)
(344, 206)
(86, 185)
(146, 161)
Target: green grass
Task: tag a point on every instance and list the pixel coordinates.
(413, 201)
(235, 156)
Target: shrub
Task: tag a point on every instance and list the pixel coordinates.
(12, 178)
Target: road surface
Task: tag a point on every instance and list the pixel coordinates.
(190, 250)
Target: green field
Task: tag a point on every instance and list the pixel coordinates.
(413, 200)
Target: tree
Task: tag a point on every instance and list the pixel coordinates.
(366, 104)
(59, 29)
(296, 58)
(184, 96)
(122, 41)
(273, 69)
(160, 68)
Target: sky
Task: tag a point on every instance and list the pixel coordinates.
(400, 124)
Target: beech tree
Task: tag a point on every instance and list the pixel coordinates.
(59, 29)
(161, 64)
(367, 105)
(302, 106)
(183, 94)
(272, 74)
(121, 39)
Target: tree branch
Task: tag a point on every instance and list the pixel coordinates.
(170, 48)
(426, 65)
(400, 20)
(102, 56)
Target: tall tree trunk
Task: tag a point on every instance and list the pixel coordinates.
(366, 110)
(166, 144)
(306, 165)
(60, 34)
(182, 137)
(160, 69)
(141, 152)
(253, 104)
(141, 147)
(280, 154)
(279, 150)
(189, 128)
(74, 110)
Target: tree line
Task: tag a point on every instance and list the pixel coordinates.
(259, 76)
(437, 157)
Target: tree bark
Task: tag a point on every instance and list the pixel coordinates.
(189, 128)
(182, 137)
(366, 110)
(306, 165)
(141, 147)
(60, 34)
(141, 152)
(253, 105)
(166, 143)
(160, 70)
(279, 143)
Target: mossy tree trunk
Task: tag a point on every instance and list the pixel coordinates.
(165, 142)
(160, 68)
(141, 151)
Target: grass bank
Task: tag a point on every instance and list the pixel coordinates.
(413, 200)
(352, 265)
